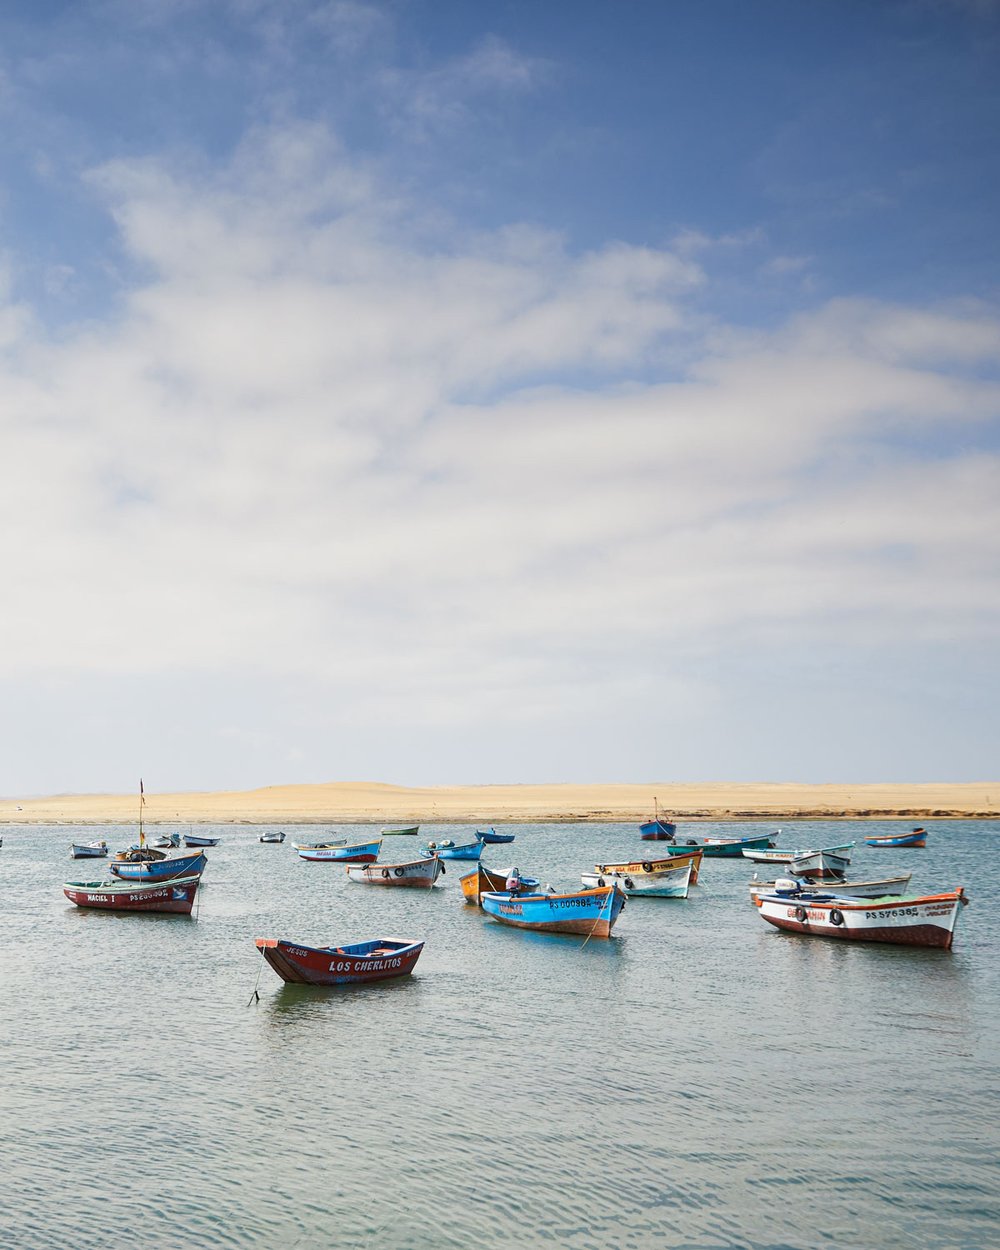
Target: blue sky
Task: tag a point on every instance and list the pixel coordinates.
(435, 392)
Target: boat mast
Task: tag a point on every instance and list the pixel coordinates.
(142, 804)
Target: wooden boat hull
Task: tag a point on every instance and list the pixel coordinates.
(484, 880)
(591, 913)
(729, 848)
(173, 895)
(271, 837)
(917, 838)
(360, 853)
(492, 838)
(924, 920)
(89, 850)
(882, 888)
(677, 859)
(825, 865)
(657, 830)
(356, 964)
(409, 831)
(668, 883)
(471, 850)
(197, 840)
(160, 869)
(418, 874)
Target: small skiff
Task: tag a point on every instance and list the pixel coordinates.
(351, 964)
(678, 859)
(160, 869)
(358, 853)
(909, 920)
(492, 838)
(418, 874)
(668, 883)
(591, 913)
(407, 831)
(448, 849)
(829, 864)
(197, 839)
(174, 895)
(483, 880)
(271, 837)
(882, 888)
(918, 837)
(89, 850)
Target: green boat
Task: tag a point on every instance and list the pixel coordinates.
(410, 831)
(728, 848)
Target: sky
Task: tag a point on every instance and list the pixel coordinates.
(434, 393)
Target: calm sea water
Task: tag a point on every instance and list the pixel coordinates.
(699, 1081)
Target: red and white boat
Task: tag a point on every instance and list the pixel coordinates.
(174, 895)
(828, 864)
(640, 867)
(910, 920)
(353, 964)
(417, 874)
(357, 853)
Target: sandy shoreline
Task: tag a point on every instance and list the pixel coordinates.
(348, 803)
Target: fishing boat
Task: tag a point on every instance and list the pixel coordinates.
(417, 874)
(659, 829)
(89, 850)
(448, 850)
(828, 864)
(677, 859)
(357, 853)
(356, 963)
(198, 839)
(591, 913)
(916, 837)
(175, 895)
(160, 869)
(729, 848)
(138, 853)
(910, 920)
(483, 880)
(407, 831)
(271, 837)
(169, 841)
(492, 838)
(668, 883)
(769, 855)
(330, 845)
(880, 888)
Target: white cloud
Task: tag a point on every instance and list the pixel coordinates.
(312, 443)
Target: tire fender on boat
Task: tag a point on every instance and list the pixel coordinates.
(800, 915)
(600, 883)
(385, 872)
(836, 916)
(647, 868)
(629, 883)
(397, 871)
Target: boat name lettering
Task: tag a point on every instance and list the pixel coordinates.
(369, 965)
(892, 911)
(511, 909)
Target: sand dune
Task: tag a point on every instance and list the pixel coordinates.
(352, 802)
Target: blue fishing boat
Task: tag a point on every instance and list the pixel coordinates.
(358, 853)
(659, 829)
(729, 848)
(918, 837)
(159, 869)
(492, 838)
(591, 913)
(448, 850)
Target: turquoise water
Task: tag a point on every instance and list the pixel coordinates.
(700, 1081)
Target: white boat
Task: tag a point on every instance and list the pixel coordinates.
(272, 837)
(167, 840)
(319, 846)
(782, 855)
(828, 864)
(417, 874)
(909, 920)
(881, 888)
(89, 850)
(668, 883)
(197, 839)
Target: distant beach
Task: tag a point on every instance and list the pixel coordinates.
(350, 802)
